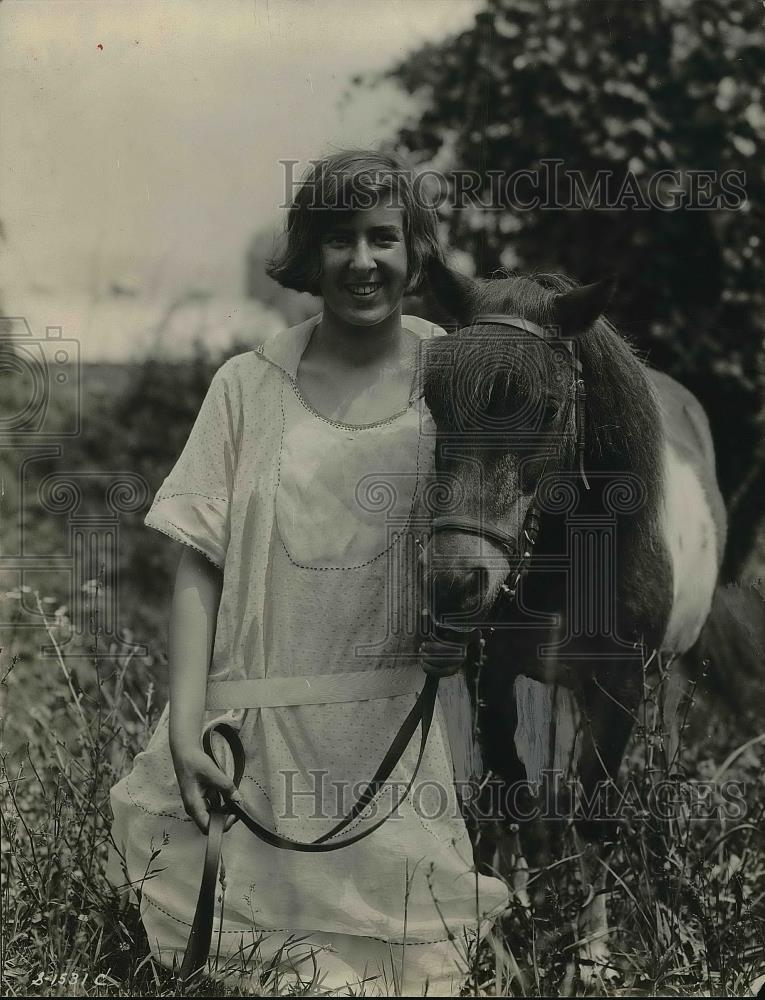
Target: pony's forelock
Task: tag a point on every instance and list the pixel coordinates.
(622, 426)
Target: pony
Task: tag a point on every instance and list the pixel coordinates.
(582, 529)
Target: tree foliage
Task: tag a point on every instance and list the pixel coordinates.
(631, 89)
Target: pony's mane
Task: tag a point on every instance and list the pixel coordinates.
(623, 423)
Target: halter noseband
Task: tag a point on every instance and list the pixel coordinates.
(518, 552)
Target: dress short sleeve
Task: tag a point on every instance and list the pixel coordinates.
(193, 504)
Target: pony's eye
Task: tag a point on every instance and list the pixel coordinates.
(550, 410)
(530, 471)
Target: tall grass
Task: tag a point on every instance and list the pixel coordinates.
(686, 896)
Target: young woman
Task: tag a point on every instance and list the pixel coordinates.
(295, 616)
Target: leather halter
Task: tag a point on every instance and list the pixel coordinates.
(519, 552)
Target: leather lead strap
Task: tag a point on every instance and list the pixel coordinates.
(198, 946)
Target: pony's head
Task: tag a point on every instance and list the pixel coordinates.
(502, 392)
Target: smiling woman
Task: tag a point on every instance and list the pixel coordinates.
(305, 481)
(331, 192)
(358, 235)
(364, 266)
(364, 269)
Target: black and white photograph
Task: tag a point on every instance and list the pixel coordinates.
(382, 498)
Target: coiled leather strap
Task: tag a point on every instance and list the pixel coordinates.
(198, 946)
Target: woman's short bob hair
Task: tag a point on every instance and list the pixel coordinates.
(339, 185)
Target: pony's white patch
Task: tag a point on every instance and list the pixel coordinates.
(690, 533)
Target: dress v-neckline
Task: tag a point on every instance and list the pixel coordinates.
(343, 423)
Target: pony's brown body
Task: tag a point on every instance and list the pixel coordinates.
(671, 553)
(626, 561)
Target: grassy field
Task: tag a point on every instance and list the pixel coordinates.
(686, 898)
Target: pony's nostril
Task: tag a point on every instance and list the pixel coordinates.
(473, 581)
(458, 591)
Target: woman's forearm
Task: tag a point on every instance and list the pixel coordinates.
(191, 632)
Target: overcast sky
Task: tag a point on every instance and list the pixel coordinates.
(140, 140)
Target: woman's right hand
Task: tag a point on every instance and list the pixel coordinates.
(197, 774)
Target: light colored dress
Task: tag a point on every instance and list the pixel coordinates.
(315, 662)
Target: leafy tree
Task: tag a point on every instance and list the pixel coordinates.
(631, 89)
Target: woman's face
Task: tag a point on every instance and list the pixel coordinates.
(364, 266)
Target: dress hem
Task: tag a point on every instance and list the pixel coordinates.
(256, 929)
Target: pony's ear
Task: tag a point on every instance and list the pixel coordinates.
(576, 311)
(456, 292)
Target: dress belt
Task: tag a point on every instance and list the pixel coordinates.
(318, 689)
